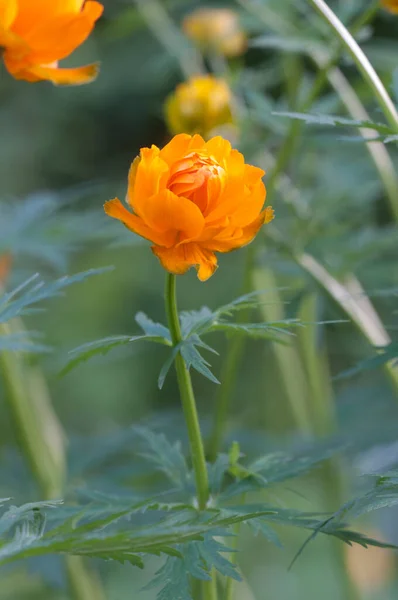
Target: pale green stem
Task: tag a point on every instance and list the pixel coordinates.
(169, 35)
(350, 99)
(42, 441)
(187, 396)
(36, 424)
(361, 60)
(209, 588)
(291, 376)
(355, 303)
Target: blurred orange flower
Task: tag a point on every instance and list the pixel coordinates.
(216, 30)
(199, 105)
(191, 199)
(390, 5)
(5, 267)
(370, 568)
(36, 34)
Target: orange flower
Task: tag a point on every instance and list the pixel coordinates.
(216, 30)
(191, 199)
(390, 5)
(36, 34)
(199, 105)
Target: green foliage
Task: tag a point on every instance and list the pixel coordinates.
(47, 227)
(194, 325)
(386, 133)
(384, 355)
(22, 301)
(129, 529)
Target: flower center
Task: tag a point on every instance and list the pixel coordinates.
(198, 177)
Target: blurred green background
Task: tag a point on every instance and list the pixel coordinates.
(77, 143)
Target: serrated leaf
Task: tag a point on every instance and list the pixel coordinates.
(277, 467)
(33, 290)
(166, 456)
(385, 355)
(333, 120)
(22, 342)
(259, 526)
(90, 349)
(194, 359)
(151, 328)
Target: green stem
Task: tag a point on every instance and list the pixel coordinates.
(361, 60)
(30, 423)
(209, 588)
(289, 145)
(187, 396)
(43, 443)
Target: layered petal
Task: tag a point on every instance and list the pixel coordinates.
(148, 177)
(54, 39)
(179, 260)
(240, 237)
(115, 209)
(28, 11)
(191, 199)
(8, 13)
(166, 212)
(36, 35)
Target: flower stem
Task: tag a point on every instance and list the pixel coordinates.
(361, 60)
(42, 441)
(187, 396)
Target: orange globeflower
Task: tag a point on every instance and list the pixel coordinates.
(390, 5)
(36, 34)
(199, 105)
(191, 199)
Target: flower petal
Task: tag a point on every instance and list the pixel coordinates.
(77, 76)
(8, 13)
(114, 208)
(51, 39)
(29, 11)
(166, 212)
(148, 176)
(219, 148)
(176, 148)
(179, 260)
(241, 237)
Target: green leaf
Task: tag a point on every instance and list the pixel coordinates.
(108, 532)
(166, 456)
(277, 467)
(22, 341)
(384, 494)
(385, 355)
(194, 359)
(150, 328)
(33, 290)
(391, 138)
(333, 120)
(289, 44)
(153, 332)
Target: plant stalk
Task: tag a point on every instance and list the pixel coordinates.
(364, 66)
(42, 441)
(187, 396)
(209, 588)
